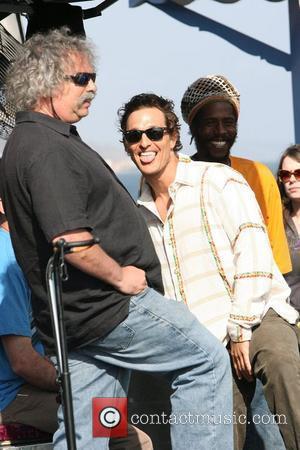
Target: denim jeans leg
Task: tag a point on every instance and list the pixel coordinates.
(90, 378)
(262, 430)
(161, 335)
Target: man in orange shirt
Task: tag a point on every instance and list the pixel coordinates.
(211, 107)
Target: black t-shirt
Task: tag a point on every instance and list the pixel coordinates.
(54, 183)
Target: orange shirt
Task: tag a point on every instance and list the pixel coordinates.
(263, 183)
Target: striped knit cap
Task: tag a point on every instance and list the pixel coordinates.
(207, 89)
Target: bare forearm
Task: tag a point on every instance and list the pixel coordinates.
(26, 362)
(38, 371)
(97, 263)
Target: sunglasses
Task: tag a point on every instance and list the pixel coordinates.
(153, 133)
(285, 175)
(82, 78)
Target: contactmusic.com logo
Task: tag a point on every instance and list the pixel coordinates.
(109, 417)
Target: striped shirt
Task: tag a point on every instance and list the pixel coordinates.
(214, 250)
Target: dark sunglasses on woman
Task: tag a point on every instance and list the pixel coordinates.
(285, 175)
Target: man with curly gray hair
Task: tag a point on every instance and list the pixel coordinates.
(116, 317)
(34, 84)
(39, 76)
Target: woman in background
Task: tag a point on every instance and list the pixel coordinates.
(288, 178)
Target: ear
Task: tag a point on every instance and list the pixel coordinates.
(1, 207)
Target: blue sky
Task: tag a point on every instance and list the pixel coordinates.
(144, 49)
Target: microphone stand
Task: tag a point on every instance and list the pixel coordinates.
(56, 273)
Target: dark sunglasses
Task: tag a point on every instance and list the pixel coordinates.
(285, 175)
(82, 78)
(153, 133)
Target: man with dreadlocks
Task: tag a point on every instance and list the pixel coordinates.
(211, 107)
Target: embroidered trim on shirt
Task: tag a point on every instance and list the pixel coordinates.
(243, 318)
(184, 158)
(236, 181)
(240, 336)
(248, 225)
(253, 275)
(210, 238)
(176, 259)
(239, 333)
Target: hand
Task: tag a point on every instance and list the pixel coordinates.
(240, 357)
(133, 280)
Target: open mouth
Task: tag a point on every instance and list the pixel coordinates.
(219, 144)
(147, 157)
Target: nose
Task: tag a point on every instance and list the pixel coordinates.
(91, 86)
(145, 141)
(220, 128)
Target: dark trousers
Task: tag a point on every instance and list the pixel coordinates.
(38, 408)
(32, 406)
(275, 358)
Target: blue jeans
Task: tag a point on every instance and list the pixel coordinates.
(262, 432)
(162, 336)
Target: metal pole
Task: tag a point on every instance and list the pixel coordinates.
(56, 272)
(54, 283)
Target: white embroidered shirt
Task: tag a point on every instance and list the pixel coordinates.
(214, 250)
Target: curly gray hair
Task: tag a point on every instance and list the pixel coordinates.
(39, 71)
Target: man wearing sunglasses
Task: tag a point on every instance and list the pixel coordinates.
(215, 255)
(116, 318)
(28, 386)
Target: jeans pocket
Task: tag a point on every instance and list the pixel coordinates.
(141, 294)
(118, 339)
